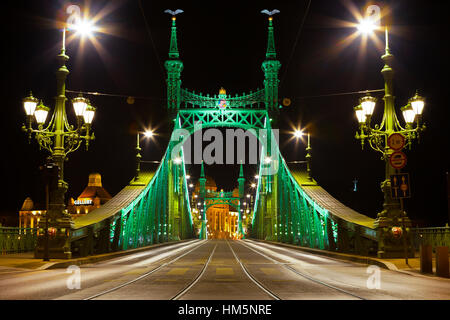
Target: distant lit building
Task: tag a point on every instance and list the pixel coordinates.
(92, 197)
(222, 218)
(29, 216)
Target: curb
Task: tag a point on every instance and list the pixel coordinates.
(103, 257)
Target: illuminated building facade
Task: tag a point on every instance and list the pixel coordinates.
(222, 219)
(92, 197)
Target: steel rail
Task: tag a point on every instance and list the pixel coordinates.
(303, 275)
(144, 275)
(195, 280)
(251, 277)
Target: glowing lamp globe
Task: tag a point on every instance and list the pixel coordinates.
(368, 104)
(29, 104)
(79, 105)
(417, 103)
(89, 114)
(367, 26)
(41, 113)
(298, 133)
(148, 134)
(408, 114)
(360, 114)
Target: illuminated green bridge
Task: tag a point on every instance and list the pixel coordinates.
(289, 207)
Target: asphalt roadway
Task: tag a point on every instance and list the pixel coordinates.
(221, 270)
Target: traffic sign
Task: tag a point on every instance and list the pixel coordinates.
(400, 187)
(396, 141)
(398, 160)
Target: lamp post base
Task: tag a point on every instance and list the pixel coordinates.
(53, 253)
(59, 246)
(392, 236)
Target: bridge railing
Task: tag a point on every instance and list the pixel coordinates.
(16, 240)
(436, 237)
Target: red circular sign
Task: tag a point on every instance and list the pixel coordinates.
(397, 232)
(396, 141)
(398, 160)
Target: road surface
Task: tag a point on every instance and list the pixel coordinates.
(221, 270)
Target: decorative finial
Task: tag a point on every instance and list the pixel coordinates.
(173, 13)
(270, 13)
(270, 53)
(222, 91)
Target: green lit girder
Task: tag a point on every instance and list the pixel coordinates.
(292, 209)
(238, 118)
(251, 100)
(155, 208)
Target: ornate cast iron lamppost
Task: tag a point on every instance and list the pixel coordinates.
(393, 216)
(59, 138)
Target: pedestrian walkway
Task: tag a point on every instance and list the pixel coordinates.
(25, 261)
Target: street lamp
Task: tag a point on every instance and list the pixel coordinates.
(147, 134)
(378, 137)
(59, 138)
(298, 134)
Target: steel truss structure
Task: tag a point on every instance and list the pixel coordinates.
(288, 207)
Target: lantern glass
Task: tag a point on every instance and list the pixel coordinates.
(368, 104)
(360, 114)
(88, 114)
(418, 106)
(417, 103)
(79, 106)
(41, 113)
(29, 104)
(409, 115)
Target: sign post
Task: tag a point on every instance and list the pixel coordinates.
(400, 189)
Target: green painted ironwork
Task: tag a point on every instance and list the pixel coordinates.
(156, 207)
(16, 240)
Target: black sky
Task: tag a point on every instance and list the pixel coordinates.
(222, 44)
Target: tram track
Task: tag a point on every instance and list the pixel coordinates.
(148, 273)
(251, 277)
(301, 274)
(197, 278)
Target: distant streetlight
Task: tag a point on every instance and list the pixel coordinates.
(367, 26)
(298, 134)
(83, 28)
(147, 134)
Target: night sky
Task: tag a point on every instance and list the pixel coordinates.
(222, 44)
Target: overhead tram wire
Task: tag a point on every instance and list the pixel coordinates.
(151, 39)
(339, 94)
(164, 99)
(296, 41)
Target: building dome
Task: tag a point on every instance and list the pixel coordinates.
(95, 180)
(27, 205)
